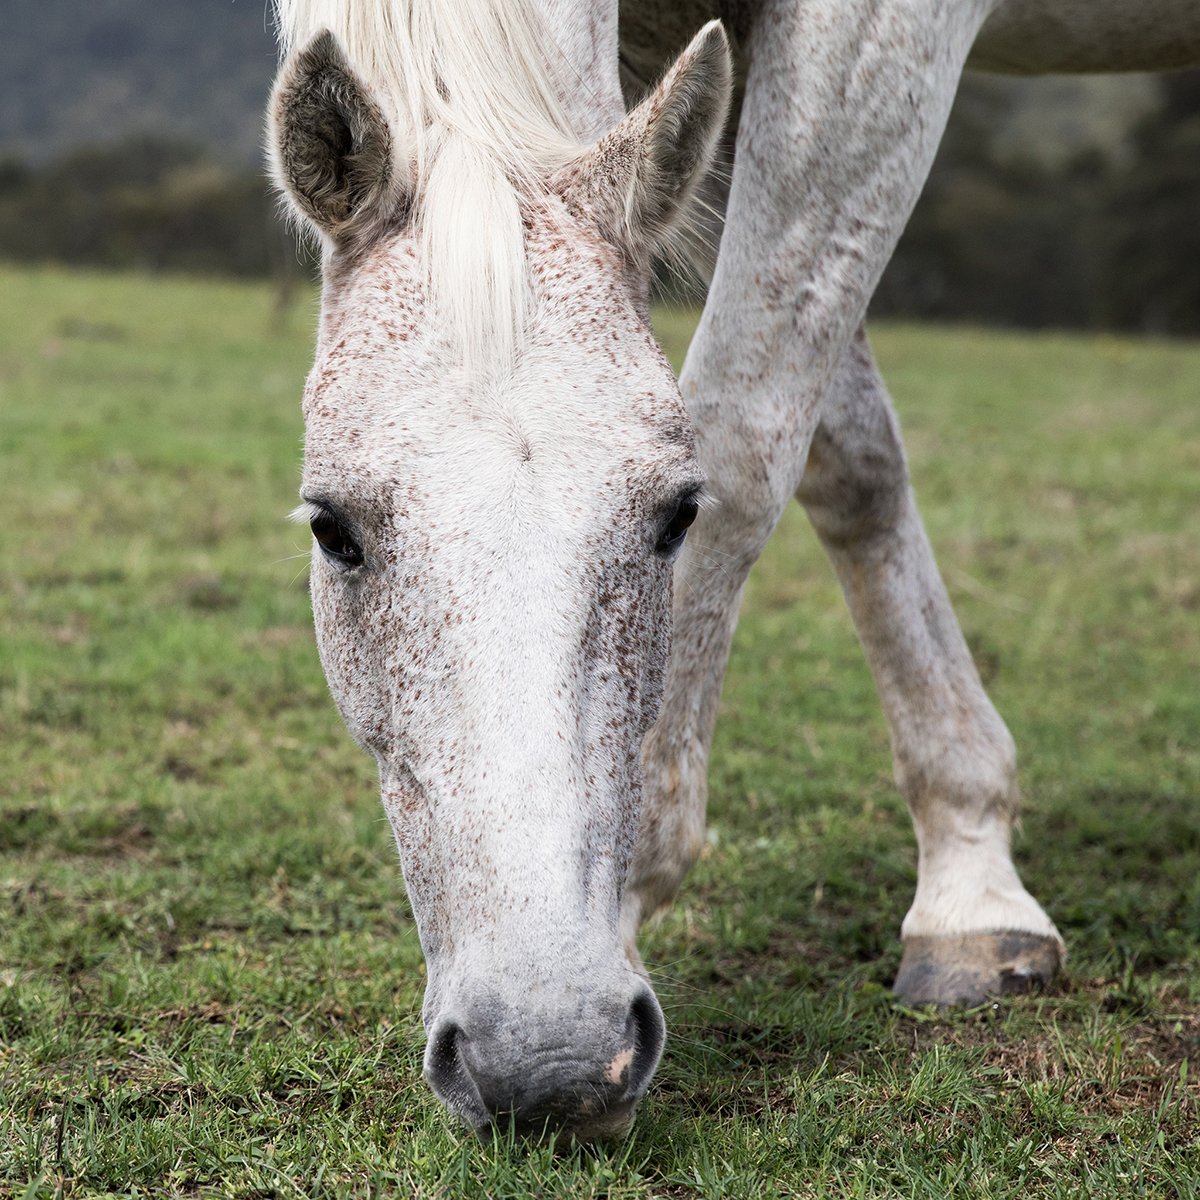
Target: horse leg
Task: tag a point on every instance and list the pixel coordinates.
(844, 106)
(973, 930)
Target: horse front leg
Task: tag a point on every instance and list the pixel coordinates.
(844, 106)
(973, 930)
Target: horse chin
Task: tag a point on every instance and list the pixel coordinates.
(611, 1126)
(584, 1121)
(581, 1129)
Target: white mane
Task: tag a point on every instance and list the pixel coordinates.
(468, 88)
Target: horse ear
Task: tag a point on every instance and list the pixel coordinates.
(635, 182)
(330, 146)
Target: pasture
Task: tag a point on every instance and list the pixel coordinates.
(209, 981)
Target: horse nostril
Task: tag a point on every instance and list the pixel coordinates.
(443, 1050)
(645, 1032)
(448, 1074)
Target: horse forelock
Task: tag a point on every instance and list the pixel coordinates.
(471, 91)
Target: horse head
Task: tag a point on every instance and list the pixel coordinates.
(498, 472)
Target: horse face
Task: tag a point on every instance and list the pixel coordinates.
(491, 575)
(491, 583)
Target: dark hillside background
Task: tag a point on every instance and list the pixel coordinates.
(130, 135)
(80, 72)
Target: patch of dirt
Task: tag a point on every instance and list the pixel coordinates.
(212, 1012)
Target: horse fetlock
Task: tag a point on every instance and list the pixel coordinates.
(960, 778)
(967, 884)
(670, 833)
(659, 869)
(655, 881)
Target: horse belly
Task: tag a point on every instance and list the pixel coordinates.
(1032, 37)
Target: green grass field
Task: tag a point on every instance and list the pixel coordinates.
(209, 979)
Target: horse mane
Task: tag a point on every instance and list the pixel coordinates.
(469, 90)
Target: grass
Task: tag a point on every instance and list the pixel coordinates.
(209, 980)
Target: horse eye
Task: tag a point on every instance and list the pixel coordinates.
(335, 541)
(676, 528)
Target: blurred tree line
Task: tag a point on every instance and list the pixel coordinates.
(1096, 241)
(147, 203)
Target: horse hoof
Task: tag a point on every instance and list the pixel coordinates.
(972, 968)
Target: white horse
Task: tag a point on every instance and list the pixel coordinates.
(500, 469)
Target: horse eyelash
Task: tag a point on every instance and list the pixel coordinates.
(306, 513)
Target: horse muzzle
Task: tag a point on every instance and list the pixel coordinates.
(579, 1076)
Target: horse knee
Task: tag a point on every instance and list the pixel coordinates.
(855, 484)
(671, 828)
(852, 497)
(750, 490)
